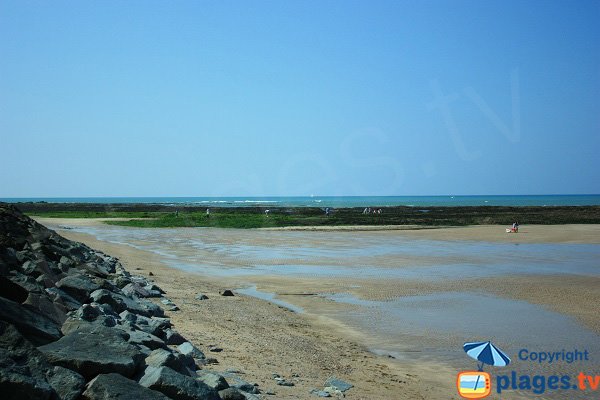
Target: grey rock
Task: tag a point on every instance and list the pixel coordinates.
(115, 386)
(175, 385)
(94, 351)
(78, 286)
(231, 394)
(173, 337)
(67, 384)
(320, 393)
(144, 338)
(212, 379)
(201, 296)
(151, 287)
(35, 327)
(44, 305)
(165, 358)
(134, 289)
(338, 384)
(61, 297)
(75, 324)
(12, 291)
(189, 349)
(21, 367)
(120, 303)
(215, 349)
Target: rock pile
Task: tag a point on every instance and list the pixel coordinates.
(74, 324)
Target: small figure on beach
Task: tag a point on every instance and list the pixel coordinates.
(516, 226)
(176, 213)
(327, 212)
(208, 213)
(365, 211)
(267, 211)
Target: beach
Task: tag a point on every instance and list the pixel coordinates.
(329, 278)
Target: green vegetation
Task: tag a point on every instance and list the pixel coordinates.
(161, 216)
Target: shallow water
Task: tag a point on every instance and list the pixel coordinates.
(425, 327)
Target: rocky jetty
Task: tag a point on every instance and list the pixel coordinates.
(74, 324)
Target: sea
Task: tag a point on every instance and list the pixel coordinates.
(337, 201)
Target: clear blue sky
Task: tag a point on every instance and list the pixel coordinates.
(199, 98)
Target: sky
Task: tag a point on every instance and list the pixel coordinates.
(295, 98)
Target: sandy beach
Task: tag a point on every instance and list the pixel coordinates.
(261, 338)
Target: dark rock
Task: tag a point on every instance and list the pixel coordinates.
(60, 297)
(134, 289)
(75, 324)
(138, 337)
(67, 384)
(115, 386)
(120, 303)
(150, 273)
(165, 358)
(227, 292)
(44, 305)
(189, 349)
(11, 291)
(173, 337)
(201, 296)
(78, 286)
(21, 367)
(215, 349)
(212, 379)
(151, 287)
(35, 327)
(231, 394)
(94, 351)
(175, 385)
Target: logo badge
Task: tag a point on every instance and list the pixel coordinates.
(474, 384)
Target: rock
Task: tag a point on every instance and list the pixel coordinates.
(173, 337)
(93, 351)
(227, 292)
(43, 304)
(212, 379)
(35, 327)
(151, 287)
(320, 393)
(115, 386)
(134, 289)
(246, 387)
(175, 385)
(165, 358)
(22, 367)
(11, 291)
(61, 297)
(67, 384)
(144, 338)
(283, 382)
(150, 273)
(231, 394)
(189, 349)
(74, 324)
(78, 286)
(120, 303)
(338, 384)
(215, 349)
(201, 296)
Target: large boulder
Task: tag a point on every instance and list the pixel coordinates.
(78, 286)
(115, 386)
(120, 303)
(21, 367)
(37, 328)
(176, 386)
(95, 350)
(67, 384)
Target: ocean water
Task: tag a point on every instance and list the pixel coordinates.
(337, 201)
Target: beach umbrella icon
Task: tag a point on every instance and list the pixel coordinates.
(486, 353)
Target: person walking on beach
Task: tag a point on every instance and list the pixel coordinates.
(208, 213)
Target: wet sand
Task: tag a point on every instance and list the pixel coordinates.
(261, 338)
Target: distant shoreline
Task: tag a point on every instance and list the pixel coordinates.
(155, 216)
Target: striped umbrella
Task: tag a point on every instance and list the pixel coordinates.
(486, 353)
